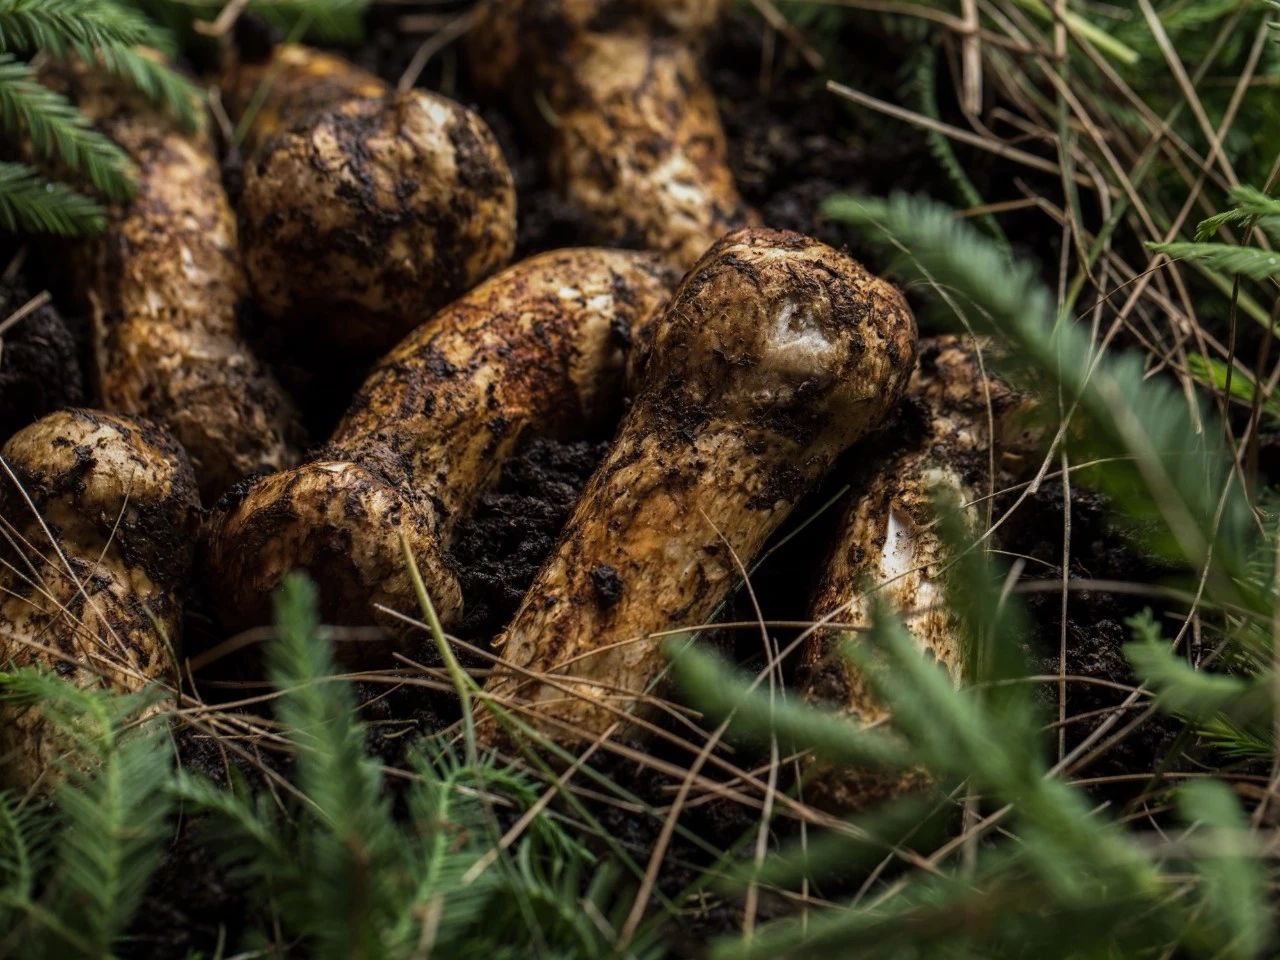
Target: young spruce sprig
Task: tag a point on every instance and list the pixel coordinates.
(56, 134)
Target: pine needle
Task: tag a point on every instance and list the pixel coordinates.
(57, 130)
(30, 203)
(55, 26)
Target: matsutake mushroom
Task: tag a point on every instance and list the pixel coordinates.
(363, 210)
(888, 544)
(775, 354)
(539, 349)
(614, 90)
(99, 513)
(166, 290)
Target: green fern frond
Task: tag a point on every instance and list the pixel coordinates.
(113, 823)
(157, 82)
(1212, 373)
(1236, 741)
(450, 835)
(1232, 712)
(58, 130)
(1233, 880)
(54, 26)
(351, 856)
(1199, 694)
(1251, 262)
(110, 816)
(23, 835)
(1165, 471)
(1248, 203)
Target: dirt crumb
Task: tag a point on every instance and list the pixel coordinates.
(607, 583)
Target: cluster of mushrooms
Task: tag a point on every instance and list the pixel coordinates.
(738, 361)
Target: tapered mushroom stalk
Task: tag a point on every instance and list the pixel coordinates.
(775, 354)
(363, 210)
(166, 290)
(887, 543)
(614, 92)
(98, 514)
(539, 350)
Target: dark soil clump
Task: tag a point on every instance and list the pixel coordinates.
(500, 547)
(39, 365)
(793, 144)
(1096, 629)
(191, 907)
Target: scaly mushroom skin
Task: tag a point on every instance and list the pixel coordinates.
(366, 210)
(365, 218)
(633, 137)
(166, 288)
(774, 355)
(102, 603)
(289, 85)
(887, 541)
(538, 349)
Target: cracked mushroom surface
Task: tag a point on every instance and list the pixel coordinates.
(100, 513)
(774, 355)
(614, 91)
(886, 544)
(538, 350)
(166, 289)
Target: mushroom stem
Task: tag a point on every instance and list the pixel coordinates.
(887, 542)
(774, 355)
(538, 350)
(616, 93)
(166, 291)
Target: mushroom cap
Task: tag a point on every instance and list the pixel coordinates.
(103, 511)
(359, 222)
(775, 329)
(294, 82)
(86, 467)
